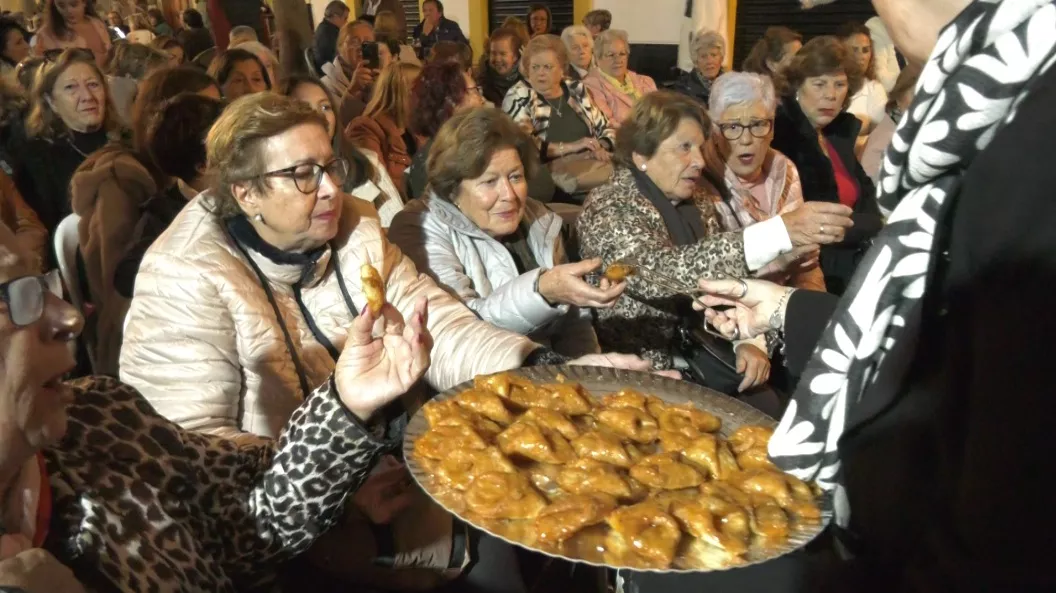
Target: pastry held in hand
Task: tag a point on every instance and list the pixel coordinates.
(619, 272)
(373, 288)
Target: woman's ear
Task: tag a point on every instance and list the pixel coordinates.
(640, 162)
(246, 198)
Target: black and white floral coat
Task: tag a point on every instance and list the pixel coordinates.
(530, 110)
(140, 504)
(619, 223)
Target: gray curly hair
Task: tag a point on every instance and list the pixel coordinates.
(738, 88)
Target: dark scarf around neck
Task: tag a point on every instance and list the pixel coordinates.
(243, 232)
(682, 220)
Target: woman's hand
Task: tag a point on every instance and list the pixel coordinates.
(753, 364)
(37, 570)
(817, 223)
(386, 492)
(564, 284)
(629, 362)
(600, 154)
(373, 371)
(786, 262)
(751, 311)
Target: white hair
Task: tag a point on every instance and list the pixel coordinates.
(605, 38)
(261, 51)
(704, 40)
(570, 33)
(739, 88)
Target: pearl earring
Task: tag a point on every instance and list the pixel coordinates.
(259, 217)
(643, 167)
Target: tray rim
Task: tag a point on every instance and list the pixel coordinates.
(573, 373)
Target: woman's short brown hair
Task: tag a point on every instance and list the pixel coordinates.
(134, 60)
(821, 56)
(654, 118)
(42, 120)
(770, 47)
(538, 45)
(465, 144)
(233, 146)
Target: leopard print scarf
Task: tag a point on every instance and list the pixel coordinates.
(981, 69)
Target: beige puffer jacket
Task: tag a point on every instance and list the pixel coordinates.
(204, 346)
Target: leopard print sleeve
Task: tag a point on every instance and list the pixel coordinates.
(618, 223)
(203, 512)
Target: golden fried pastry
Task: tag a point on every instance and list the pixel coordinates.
(605, 447)
(528, 439)
(768, 519)
(726, 492)
(629, 423)
(664, 471)
(501, 384)
(712, 455)
(699, 520)
(750, 437)
(439, 442)
(624, 398)
(551, 420)
(619, 272)
(498, 495)
(567, 515)
(449, 413)
(462, 466)
(642, 535)
(486, 403)
(687, 420)
(673, 442)
(586, 475)
(373, 288)
(567, 398)
(790, 493)
(544, 478)
(755, 458)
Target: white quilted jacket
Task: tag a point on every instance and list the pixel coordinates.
(481, 272)
(203, 343)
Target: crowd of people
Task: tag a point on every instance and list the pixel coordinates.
(221, 410)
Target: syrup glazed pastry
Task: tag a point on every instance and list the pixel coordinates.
(626, 479)
(373, 288)
(619, 272)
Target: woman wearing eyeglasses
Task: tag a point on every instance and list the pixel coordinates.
(814, 130)
(753, 183)
(244, 304)
(614, 87)
(73, 23)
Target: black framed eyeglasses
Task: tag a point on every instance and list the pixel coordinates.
(758, 128)
(25, 296)
(308, 176)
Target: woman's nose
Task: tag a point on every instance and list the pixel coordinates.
(61, 321)
(327, 187)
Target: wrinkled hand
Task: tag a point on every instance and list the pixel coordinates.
(629, 362)
(386, 492)
(36, 570)
(750, 315)
(373, 371)
(786, 262)
(818, 223)
(753, 364)
(564, 284)
(600, 154)
(362, 78)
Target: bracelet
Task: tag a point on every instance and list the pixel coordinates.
(777, 319)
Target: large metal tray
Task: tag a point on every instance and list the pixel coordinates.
(602, 380)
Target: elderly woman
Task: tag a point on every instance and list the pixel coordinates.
(71, 116)
(773, 51)
(757, 183)
(708, 49)
(597, 21)
(265, 55)
(249, 294)
(369, 181)
(382, 129)
(615, 88)
(580, 45)
(653, 214)
(481, 237)
(558, 112)
(239, 73)
(112, 191)
(814, 130)
(443, 89)
(228, 504)
(70, 24)
(869, 102)
(498, 71)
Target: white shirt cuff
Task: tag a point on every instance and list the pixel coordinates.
(764, 241)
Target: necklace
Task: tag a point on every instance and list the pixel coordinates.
(555, 108)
